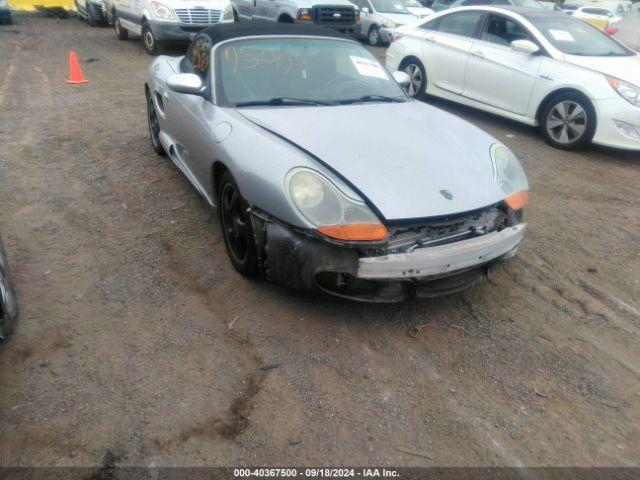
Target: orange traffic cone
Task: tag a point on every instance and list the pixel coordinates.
(75, 73)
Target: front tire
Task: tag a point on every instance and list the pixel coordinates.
(154, 127)
(374, 37)
(151, 44)
(568, 121)
(235, 222)
(121, 32)
(417, 77)
(91, 15)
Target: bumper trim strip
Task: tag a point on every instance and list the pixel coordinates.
(442, 259)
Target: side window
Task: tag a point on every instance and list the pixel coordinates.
(197, 58)
(463, 23)
(502, 31)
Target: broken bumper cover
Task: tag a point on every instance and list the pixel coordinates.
(443, 259)
(304, 263)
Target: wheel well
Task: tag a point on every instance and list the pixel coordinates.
(146, 89)
(284, 18)
(218, 170)
(555, 93)
(143, 20)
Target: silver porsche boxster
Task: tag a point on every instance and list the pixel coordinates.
(326, 176)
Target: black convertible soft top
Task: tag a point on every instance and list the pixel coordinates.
(226, 31)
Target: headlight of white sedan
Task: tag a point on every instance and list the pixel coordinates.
(509, 174)
(330, 211)
(626, 90)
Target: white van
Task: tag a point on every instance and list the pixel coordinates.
(166, 21)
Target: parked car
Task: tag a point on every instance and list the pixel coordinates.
(8, 303)
(535, 66)
(599, 17)
(627, 31)
(569, 8)
(169, 21)
(286, 130)
(380, 18)
(439, 5)
(5, 13)
(91, 10)
(340, 15)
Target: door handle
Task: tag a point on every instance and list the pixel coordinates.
(478, 53)
(429, 38)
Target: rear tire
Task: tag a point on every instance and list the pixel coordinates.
(235, 223)
(121, 32)
(568, 121)
(151, 44)
(417, 76)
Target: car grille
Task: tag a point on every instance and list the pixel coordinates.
(198, 15)
(406, 238)
(336, 16)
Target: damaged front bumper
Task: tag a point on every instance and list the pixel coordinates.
(304, 262)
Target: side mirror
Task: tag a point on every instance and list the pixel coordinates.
(525, 46)
(402, 78)
(188, 83)
(365, 10)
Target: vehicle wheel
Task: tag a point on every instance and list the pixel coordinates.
(374, 36)
(91, 15)
(417, 77)
(568, 121)
(235, 223)
(154, 127)
(151, 45)
(121, 33)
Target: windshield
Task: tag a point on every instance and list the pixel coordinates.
(390, 6)
(289, 71)
(575, 37)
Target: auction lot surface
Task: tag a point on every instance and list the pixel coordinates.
(139, 345)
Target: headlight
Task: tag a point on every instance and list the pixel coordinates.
(330, 211)
(626, 90)
(388, 23)
(304, 14)
(509, 174)
(227, 15)
(162, 11)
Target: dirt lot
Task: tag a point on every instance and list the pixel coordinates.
(138, 341)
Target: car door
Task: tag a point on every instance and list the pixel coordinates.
(190, 115)
(244, 9)
(498, 75)
(446, 44)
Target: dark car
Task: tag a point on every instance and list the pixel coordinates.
(5, 13)
(8, 304)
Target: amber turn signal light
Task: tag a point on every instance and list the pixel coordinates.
(355, 232)
(518, 200)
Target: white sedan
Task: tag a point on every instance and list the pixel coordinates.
(535, 66)
(597, 15)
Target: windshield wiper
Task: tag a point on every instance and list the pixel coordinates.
(372, 98)
(282, 101)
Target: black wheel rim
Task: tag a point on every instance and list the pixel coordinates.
(234, 224)
(154, 126)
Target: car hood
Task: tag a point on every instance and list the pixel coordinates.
(624, 68)
(420, 11)
(400, 156)
(400, 18)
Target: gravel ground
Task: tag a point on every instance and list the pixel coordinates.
(139, 343)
